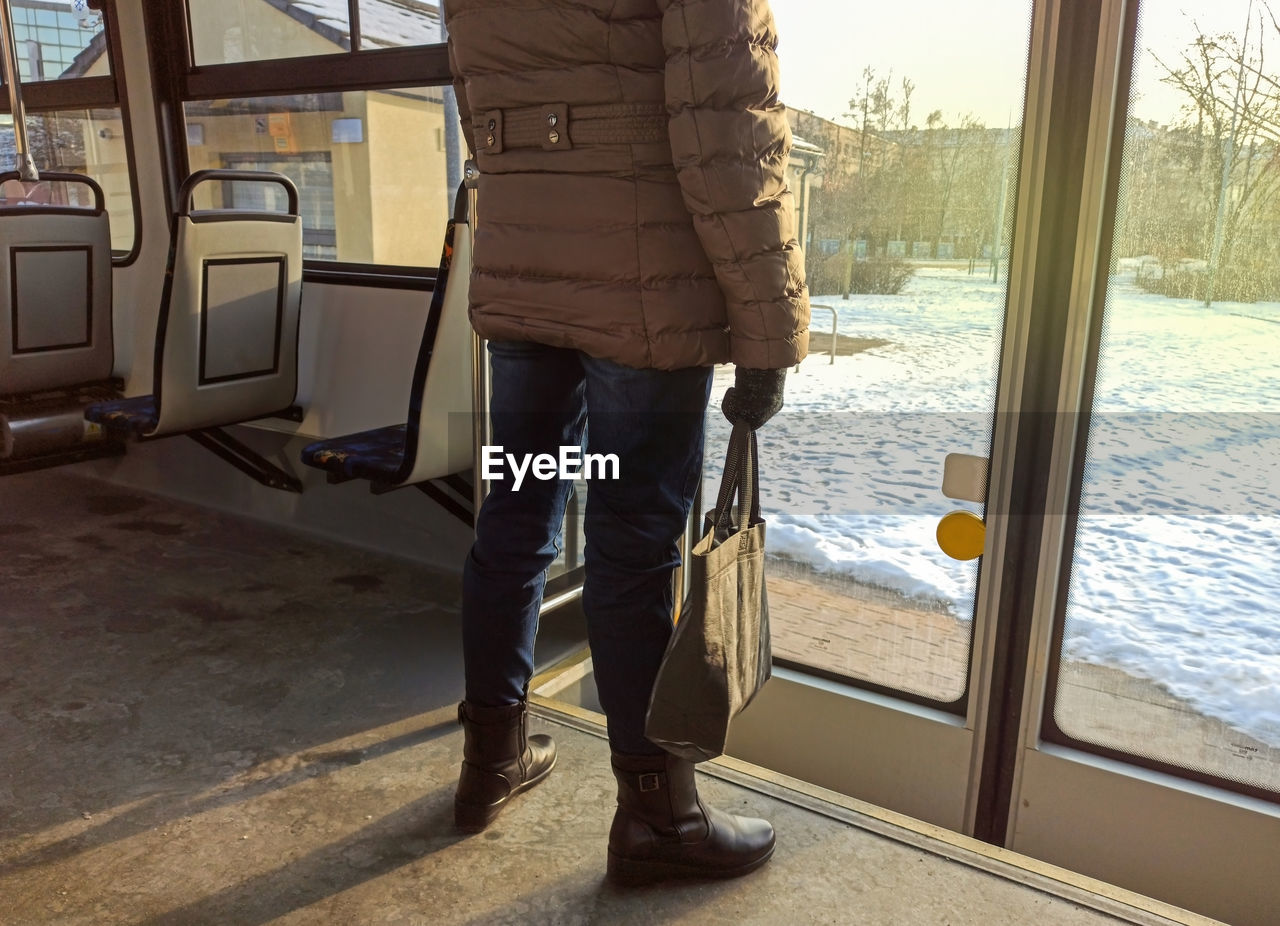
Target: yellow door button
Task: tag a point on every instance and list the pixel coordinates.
(961, 535)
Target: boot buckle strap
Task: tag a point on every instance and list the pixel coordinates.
(651, 781)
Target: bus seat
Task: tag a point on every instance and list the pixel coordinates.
(437, 439)
(55, 286)
(227, 334)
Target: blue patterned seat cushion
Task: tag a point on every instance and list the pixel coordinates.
(375, 455)
(125, 416)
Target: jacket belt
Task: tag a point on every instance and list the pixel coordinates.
(559, 127)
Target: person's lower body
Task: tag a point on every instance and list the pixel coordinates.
(651, 422)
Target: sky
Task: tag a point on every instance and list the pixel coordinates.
(964, 56)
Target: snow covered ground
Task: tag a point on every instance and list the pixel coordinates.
(1176, 572)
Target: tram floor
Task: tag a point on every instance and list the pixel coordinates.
(206, 719)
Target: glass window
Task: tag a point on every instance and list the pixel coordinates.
(254, 30)
(372, 172)
(55, 43)
(393, 23)
(313, 175)
(88, 142)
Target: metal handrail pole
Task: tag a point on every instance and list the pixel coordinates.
(24, 164)
(479, 368)
(480, 418)
(835, 324)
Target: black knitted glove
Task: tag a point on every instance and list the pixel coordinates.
(755, 396)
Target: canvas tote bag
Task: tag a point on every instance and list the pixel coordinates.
(719, 655)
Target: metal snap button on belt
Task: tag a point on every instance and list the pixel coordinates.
(554, 114)
(490, 131)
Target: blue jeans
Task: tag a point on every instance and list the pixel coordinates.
(653, 421)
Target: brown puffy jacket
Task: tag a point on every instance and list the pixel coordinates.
(632, 194)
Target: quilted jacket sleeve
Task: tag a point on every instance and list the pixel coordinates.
(730, 141)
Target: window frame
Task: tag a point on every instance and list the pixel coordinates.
(351, 70)
(89, 93)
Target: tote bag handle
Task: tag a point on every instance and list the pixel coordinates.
(741, 472)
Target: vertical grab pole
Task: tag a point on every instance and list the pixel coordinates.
(480, 417)
(24, 164)
(479, 369)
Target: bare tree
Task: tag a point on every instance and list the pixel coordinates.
(1230, 123)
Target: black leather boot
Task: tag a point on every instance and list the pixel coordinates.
(498, 761)
(663, 830)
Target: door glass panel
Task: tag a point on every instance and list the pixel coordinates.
(1171, 645)
(903, 169)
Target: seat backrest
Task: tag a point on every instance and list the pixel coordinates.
(55, 288)
(439, 438)
(227, 336)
